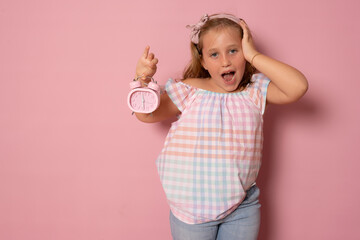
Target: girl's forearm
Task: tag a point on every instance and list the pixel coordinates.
(166, 110)
(144, 117)
(291, 82)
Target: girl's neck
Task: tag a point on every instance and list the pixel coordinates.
(208, 85)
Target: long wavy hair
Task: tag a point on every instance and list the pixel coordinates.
(195, 70)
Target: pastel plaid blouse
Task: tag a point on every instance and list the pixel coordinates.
(212, 153)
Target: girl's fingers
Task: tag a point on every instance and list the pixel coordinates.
(247, 33)
(247, 42)
(150, 56)
(146, 52)
(147, 63)
(243, 23)
(244, 27)
(153, 63)
(147, 55)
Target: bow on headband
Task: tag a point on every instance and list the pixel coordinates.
(195, 29)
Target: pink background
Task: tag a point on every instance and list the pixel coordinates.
(74, 163)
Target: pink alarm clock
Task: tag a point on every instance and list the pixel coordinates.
(144, 99)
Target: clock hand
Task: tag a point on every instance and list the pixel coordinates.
(142, 100)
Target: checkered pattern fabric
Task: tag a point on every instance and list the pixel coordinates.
(212, 153)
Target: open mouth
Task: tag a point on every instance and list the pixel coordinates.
(228, 76)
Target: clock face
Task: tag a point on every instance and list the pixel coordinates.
(143, 101)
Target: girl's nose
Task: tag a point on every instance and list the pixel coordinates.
(225, 62)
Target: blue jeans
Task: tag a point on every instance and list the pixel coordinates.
(242, 224)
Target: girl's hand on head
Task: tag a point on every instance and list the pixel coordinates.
(248, 45)
(146, 66)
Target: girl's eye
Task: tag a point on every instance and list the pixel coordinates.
(232, 51)
(213, 55)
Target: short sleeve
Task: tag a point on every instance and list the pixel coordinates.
(258, 90)
(179, 92)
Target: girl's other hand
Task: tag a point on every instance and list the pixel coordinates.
(248, 45)
(146, 66)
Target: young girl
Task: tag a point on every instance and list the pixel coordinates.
(212, 153)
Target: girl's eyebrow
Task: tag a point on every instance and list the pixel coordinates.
(229, 46)
(233, 46)
(213, 49)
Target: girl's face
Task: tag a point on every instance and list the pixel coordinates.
(223, 58)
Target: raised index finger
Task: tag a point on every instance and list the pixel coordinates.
(146, 51)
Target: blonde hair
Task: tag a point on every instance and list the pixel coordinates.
(195, 70)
